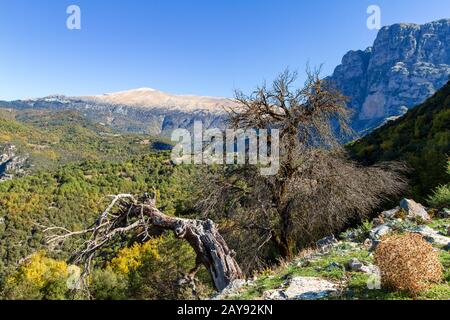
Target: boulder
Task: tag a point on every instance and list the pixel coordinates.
(414, 210)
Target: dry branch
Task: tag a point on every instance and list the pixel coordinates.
(126, 214)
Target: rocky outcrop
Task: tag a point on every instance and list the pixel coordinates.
(406, 65)
(11, 165)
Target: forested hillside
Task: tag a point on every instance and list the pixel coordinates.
(48, 138)
(421, 138)
(73, 195)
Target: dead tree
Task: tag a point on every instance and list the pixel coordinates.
(141, 217)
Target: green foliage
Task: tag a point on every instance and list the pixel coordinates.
(149, 271)
(52, 138)
(441, 196)
(73, 195)
(421, 138)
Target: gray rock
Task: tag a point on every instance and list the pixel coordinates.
(414, 209)
(334, 266)
(432, 235)
(355, 265)
(326, 243)
(232, 289)
(390, 214)
(444, 213)
(379, 231)
(406, 65)
(274, 295)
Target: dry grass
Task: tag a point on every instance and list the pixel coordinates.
(408, 263)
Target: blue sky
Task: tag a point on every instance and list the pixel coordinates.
(204, 47)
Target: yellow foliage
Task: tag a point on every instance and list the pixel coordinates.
(131, 258)
(39, 269)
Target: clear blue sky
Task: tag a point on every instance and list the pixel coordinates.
(205, 47)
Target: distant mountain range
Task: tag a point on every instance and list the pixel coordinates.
(407, 64)
(142, 110)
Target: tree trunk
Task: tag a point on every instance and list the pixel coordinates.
(203, 236)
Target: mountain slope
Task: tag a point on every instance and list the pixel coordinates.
(406, 65)
(421, 138)
(48, 138)
(138, 111)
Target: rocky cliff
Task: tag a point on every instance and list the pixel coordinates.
(406, 64)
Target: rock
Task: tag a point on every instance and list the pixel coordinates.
(274, 295)
(355, 265)
(390, 214)
(368, 243)
(406, 65)
(414, 210)
(303, 288)
(432, 235)
(233, 288)
(377, 232)
(374, 246)
(445, 213)
(333, 266)
(326, 242)
(370, 269)
(309, 288)
(378, 221)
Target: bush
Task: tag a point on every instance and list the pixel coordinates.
(441, 197)
(407, 263)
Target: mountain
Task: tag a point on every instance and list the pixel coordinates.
(138, 111)
(406, 65)
(421, 138)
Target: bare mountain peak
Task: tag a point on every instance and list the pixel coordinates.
(152, 98)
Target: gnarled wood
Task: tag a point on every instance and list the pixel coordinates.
(138, 216)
